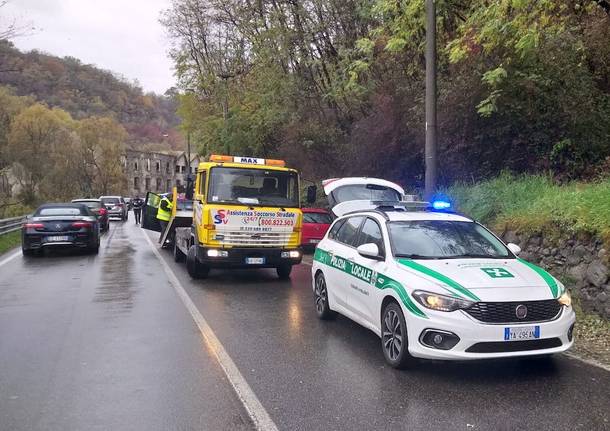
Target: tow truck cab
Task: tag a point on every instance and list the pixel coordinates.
(246, 214)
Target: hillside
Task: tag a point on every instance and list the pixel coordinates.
(84, 90)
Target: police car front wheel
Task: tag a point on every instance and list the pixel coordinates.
(394, 342)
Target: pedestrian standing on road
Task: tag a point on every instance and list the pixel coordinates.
(164, 212)
(137, 203)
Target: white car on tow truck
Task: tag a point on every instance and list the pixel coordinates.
(433, 284)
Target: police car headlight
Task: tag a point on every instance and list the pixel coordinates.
(434, 301)
(565, 299)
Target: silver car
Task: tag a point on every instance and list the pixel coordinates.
(116, 206)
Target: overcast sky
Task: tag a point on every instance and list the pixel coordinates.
(123, 36)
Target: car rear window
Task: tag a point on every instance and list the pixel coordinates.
(110, 200)
(320, 218)
(371, 233)
(367, 192)
(90, 204)
(332, 234)
(347, 233)
(61, 211)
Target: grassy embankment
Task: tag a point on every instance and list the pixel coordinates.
(536, 204)
(9, 241)
(8, 210)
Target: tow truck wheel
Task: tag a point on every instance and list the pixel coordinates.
(394, 341)
(178, 255)
(195, 269)
(283, 271)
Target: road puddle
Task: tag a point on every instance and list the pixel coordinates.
(116, 285)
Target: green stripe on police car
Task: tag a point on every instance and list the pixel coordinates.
(369, 276)
(548, 278)
(439, 277)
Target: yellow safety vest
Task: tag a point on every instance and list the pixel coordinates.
(161, 213)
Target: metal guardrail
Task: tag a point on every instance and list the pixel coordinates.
(11, 224)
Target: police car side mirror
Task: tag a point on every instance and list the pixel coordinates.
(514, 248)
(370, 251)
(312, 192)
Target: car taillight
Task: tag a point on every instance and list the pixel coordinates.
(121, 205)
(33, 225)
(81, 224)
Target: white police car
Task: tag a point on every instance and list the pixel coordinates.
(433, 284)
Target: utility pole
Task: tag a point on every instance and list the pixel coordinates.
(430, 152)
(225, 76)
(189, 178)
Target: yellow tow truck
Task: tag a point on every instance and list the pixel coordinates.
(245, 214)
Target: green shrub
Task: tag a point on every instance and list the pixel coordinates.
(535, 203)
(9, 240)
(15, 210)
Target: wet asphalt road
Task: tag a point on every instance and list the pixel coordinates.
(104, 343)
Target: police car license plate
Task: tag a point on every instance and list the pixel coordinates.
(522, 333)
(255, 260)
(57, 238)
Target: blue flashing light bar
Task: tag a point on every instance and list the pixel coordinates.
(441, 205)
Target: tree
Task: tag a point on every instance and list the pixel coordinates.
(102, 144)
(36, 138)
(336, 86)
(10, 28)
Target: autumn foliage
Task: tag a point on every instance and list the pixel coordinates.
(337, 86)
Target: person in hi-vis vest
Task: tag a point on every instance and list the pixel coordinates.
(164, 212)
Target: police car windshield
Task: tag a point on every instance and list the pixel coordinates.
(253, 187)
(442, 239)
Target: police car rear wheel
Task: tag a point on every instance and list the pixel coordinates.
(320, 295)
(394, 340)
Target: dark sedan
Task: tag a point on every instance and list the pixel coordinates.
(98, 209)
(61, 225)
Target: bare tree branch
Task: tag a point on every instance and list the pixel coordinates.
(604, 4)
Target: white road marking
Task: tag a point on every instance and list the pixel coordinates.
(259, 416)
(587, 361)
(11, 257)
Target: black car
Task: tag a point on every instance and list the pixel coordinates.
(99, 209)
(61, 225)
